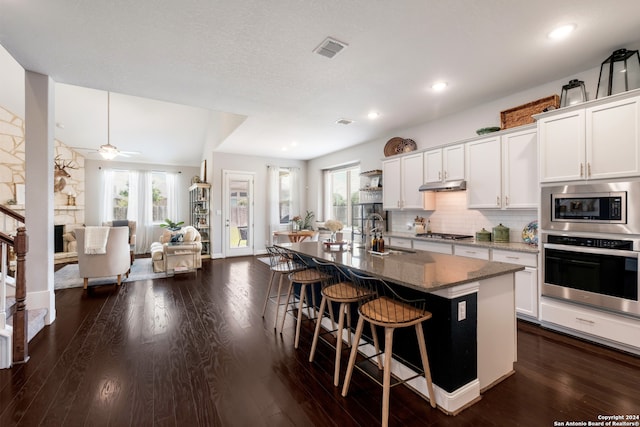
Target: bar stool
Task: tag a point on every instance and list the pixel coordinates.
(306, 277)
(387, 309)
(337, 288)
(279, 263)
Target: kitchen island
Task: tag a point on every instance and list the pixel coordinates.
(471, 338)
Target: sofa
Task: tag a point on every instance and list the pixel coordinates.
(177, 248)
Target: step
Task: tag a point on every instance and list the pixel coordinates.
(35, 322)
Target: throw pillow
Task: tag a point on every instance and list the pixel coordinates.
(177, 238)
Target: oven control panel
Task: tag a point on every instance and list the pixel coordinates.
(591, 242)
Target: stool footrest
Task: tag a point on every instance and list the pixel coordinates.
(370, 369)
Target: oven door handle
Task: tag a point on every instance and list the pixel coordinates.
(588, 250)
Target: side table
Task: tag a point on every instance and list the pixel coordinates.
(181, 256)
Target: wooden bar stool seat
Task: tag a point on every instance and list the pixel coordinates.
(390, 311)
(305, 277)
(337, 288)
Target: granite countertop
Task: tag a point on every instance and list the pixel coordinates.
(511, 246)
(420, 270)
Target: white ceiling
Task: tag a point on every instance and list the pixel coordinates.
(253, 58)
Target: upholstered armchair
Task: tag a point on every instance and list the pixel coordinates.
(132, 233)
(114, 262)
(180, 248)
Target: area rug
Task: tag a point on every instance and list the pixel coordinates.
(68, 276)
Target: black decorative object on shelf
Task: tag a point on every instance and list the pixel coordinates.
(619, 73)
(573, 93)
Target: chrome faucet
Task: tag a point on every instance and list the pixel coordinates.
(369, 227)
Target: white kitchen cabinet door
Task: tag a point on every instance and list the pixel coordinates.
(483, 173)
(561, 146)
(391, 190)
(527, 292)
(412, 179)
(612, 139)
(520, 186)
(433, 166)
(453, 162)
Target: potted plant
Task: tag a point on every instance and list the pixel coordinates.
(173, 226)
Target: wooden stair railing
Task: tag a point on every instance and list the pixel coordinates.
(20, 244)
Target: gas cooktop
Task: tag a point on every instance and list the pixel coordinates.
(444, 236)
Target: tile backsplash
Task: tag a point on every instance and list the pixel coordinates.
(452, 216)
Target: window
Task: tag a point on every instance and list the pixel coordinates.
(120, 194)
(159, 196)
(146, 196)
(343, 185)
(284, 199)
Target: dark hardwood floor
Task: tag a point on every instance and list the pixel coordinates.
(194, 351)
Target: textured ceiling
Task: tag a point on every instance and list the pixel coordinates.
(235, 59)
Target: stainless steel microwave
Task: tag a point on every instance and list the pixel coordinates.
(592, 207)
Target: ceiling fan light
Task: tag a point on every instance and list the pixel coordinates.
(108, 151)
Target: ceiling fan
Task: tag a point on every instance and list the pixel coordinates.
(109, 151)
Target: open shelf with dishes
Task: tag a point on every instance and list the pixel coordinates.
(199, 199)
(371, 186)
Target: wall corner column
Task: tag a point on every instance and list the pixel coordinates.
(39, 150)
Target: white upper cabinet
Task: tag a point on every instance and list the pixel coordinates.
(412, 179)
(391, 190)
(484, 173)
(502, 171)
(402, 178)
(592, 142)
(520, 185)
(444, 164)
(612, 143)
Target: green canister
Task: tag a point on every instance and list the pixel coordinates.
(501, 234)
(483, 236)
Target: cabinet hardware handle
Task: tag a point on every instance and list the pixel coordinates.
(589, 169)
(497, 200)
(445, 175)
(439, 175)
(506, 200)
(581, 170)
(585, 320)
(470, 252)
(512, 257)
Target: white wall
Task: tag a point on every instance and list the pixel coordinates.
(257, 165)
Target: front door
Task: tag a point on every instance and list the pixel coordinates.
(238, 211)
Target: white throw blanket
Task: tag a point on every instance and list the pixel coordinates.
(95, 240)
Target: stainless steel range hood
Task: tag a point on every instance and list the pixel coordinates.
(444, 186)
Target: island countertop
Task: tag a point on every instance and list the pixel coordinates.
(420, 270)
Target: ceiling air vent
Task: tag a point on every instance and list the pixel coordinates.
(344, 121)
(330, 47)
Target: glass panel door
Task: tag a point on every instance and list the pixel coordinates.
(238, 213)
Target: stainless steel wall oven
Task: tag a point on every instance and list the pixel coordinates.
(590, 235)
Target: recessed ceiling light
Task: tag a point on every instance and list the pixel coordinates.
(294, 143)
(373, 115)
(439, 86)
(561, 32)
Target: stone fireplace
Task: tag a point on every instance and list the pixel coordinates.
(68, 211)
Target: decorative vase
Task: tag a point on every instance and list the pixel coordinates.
(339, 236)
(333, 237)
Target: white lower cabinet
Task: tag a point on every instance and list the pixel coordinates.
(471, 252)
(526, 281)
(614, 329)
(442, 248)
